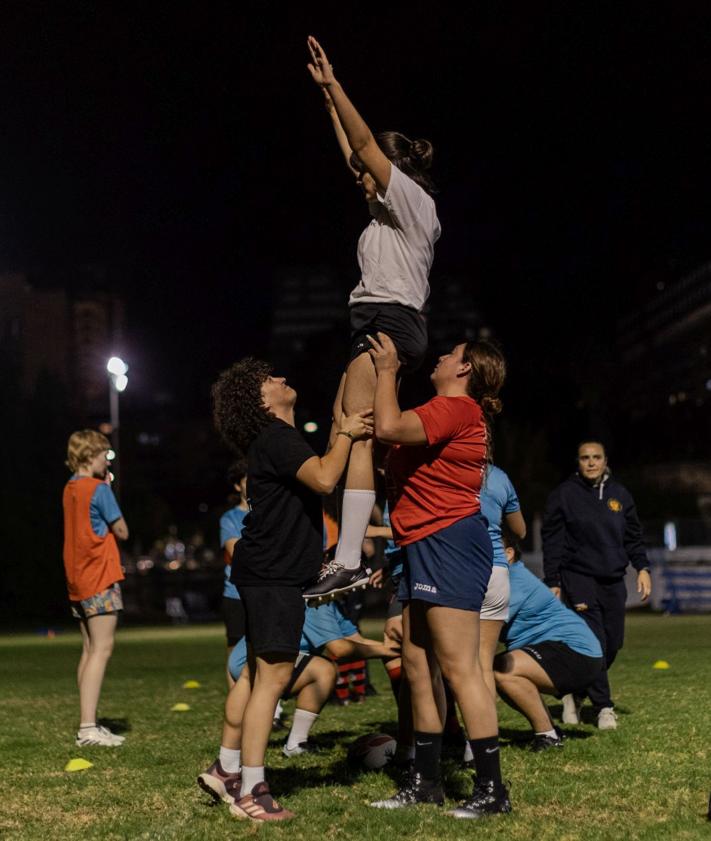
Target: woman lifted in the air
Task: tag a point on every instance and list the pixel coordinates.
(395, 254)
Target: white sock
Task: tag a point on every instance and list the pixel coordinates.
(302, 724)
(230, 760)
(551, 733)
(279, 710)
(250, 777)
(468, 753)
(357, 508)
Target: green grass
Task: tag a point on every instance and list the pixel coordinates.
(650, 779)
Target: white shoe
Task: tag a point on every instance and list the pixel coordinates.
(298, 750)
(607, 719)
(98, 736)
(571, 709)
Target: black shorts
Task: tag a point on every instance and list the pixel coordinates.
(568, 670)
(405, 326)
(275, 618)
(233, 614)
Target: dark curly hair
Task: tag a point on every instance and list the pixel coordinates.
(237, 409)
(237, 470)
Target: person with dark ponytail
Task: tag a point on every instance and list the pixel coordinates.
(435, 468)
(395, 254)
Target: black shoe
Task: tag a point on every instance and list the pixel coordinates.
(488, 798)
(542, 742)
(370, 690)
(416, 790)
(334, 579)
(278, 724)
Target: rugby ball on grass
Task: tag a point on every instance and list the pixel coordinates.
(372, 751)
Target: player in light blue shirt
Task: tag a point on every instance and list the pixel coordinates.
(498, 501)
(500, 505)
(549, 649)
(231, 523)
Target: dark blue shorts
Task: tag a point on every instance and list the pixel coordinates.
(451, 567)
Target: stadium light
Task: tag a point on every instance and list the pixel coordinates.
(117, 370)
(116, 366)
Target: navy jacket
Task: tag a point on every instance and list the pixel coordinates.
(593, 530)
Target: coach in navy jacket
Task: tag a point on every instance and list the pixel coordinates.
(591, 532)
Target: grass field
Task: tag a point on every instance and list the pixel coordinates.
(650, 779)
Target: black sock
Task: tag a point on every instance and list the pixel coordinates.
(428, 748)
(486, 759)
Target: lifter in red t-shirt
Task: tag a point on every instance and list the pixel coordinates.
(435, 469)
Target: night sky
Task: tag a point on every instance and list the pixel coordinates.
(186, 148)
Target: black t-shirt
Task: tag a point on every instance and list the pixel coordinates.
(282, 536)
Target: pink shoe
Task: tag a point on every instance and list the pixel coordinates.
(219, 784)
(260, 806)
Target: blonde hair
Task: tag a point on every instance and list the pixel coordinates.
(83, 446)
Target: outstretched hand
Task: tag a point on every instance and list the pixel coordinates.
(319, 68)
(383, 353)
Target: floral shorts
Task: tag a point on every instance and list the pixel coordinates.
(107, 601)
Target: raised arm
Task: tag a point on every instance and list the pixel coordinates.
(392, 426)
(341, 138)
(321, 474)
(357, 135)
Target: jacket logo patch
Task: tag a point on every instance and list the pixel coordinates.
(614, 505)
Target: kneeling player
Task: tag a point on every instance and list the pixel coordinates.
(549, 649)
(326, 631)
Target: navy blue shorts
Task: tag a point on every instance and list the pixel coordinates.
(451, 567)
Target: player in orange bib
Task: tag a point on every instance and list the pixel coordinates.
(92, 565)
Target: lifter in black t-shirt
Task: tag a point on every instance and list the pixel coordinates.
(280, 551)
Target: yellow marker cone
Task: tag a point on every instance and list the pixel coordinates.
(661, 664)
(78, 765)
(180, 708)
(191, 684)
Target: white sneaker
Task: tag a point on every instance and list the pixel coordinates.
(298, 750)
(607, 719)
(98, 736)
(571, 709)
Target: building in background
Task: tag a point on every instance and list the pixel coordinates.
(68, 335)
(665, 368)
(663, 392)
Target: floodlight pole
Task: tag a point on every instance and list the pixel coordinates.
(114, 411)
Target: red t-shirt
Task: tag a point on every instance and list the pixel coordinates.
(432, 486)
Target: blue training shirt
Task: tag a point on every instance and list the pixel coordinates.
(536, 615)
(322, 625)
(393, 554)
(103, 509)
(231, 523)
(498, 498)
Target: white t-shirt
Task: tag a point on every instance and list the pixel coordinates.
(396, 250)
